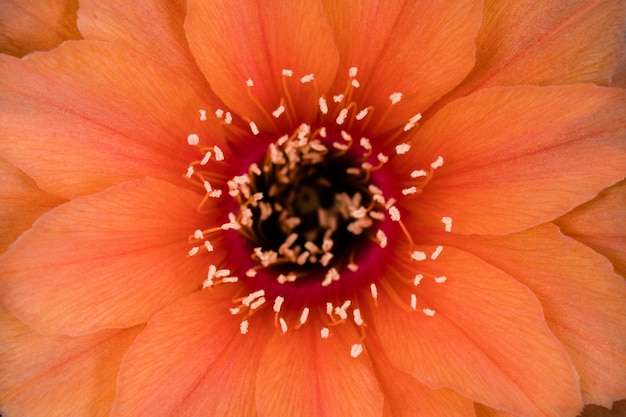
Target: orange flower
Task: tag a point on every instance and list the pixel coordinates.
(315, 208)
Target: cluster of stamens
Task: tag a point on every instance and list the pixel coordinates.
(308, 206)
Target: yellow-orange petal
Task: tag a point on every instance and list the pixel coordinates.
(192, 360)
(162, 39)
(87, 115)
(234, 41)
(583, 300)
(34, 25)
(405, 396)
(21, 202)
(105, 260)
(302, 374)
(484, 337)
(421, 49)
(600, 225)
(520, 43)
(58, 376)
(515, 157)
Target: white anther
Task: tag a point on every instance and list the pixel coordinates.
(230, 280)
(441, 279)
(280, 110)
(250, 273)
(252, 296)
(356, 350)
(418, 173)
(356, 313)
(358, 213)
(362, 114)
(324, 332)
(189, 173)
(382, 158)
(243, 327)
(197, 234)
(390, 203)
(331, 275)
(352, 71)
(338, 98)
(255, 169)
(437, 163)
(382, 238)
(343, 114)
(302, 258)
(365, 143)
(353, 171)
(219, 113)
(258, 303)
(395, 98)
(340, 146)
(234, 310)
(447, 221)
(402, 148)
(287, 72)
(254, 128)
(193, 139)
(374, 291)
(325, 259)
(436, 253)
(327, 244)
(394, 213)
(323, 105)
(215, 194)
(329, 308)
(283, 325)
(307, 78)
(346, 304)
(412, 122)
(377, 215)
(221, 273)
(228, 118)
(341, 313)
(207, 186)
(323, 132)
(206, 158)
(428, 312)
(355, 84)
(202, 114)
(352, 267)
(212, 271)
(414, 301)
(193, 251)
(410, 190)
(418, 256)
(208, 246)
(219, 155)
(418, 278)
(304, 315)
(249, 82)
(278, 303)
(281, 141)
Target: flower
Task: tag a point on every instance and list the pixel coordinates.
(439, 240)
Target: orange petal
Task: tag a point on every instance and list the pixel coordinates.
(34, 25)
(90, 114)
(421, 48)
(191, 360)
(21, 202)
(405, 396)
(599, 224)
(302, 374)
(520, 42)
(250, 39)
(515, 157)
(484, 411)
(58, 376)
(105, 260)
(583, 300)
(619, 77)
(487, 339)
(163, 40)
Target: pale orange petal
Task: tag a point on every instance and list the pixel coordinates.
(302, 374)
(583, 300)
(487, 338)
(203, 365)
(546, 43)
(21, 202)
(106, 260)
(58, 376)
(35, 25)
(237, 40)
(619, 77)
(515, 157)
(419, 48)
(90, 114)
(600, 225)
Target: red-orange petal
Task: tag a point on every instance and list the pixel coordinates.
(234, 41)
(34, 25)
(515, 157)
(105, 260)
(583, 300)
(600, 225)
(487, 339)
(520, 42)
(21, 202)
(192, 360)
(302, 374)
(419, 48)
(87, 115)
(58, 376)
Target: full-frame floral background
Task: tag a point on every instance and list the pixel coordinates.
(312, 208)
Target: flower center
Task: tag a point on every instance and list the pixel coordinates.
(310, 211)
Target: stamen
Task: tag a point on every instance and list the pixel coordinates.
(304, 315)
(402, 148)
(373, 290)
(280, 110)
(287, 72)
(307, 78)
(283, 325)
(358, 320)
(193, 139)
(243, 327)
(249, 82)
(418, 279)
(202, 114)
(441, 279)
(324, 333)
(436, 253)
(356, 350)
(418, 173)
(323, 105)
(343, 114)
(428, 312)
(418, 256)
(414, 301)
(438, 163)
(278, 302)
(447, 221)
(395, 98)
